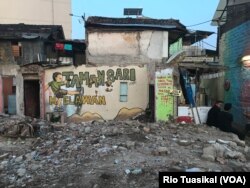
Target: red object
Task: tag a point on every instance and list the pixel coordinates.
(59, 46)
(186, 119)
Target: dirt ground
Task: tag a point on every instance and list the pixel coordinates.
(111, 154)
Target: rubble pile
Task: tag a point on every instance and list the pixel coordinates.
(109, 154)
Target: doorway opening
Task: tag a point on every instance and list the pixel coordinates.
(32, 98)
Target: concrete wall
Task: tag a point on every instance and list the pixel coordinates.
(19, 95)
(234, 44)
(29, 52)
(9, 67)
(6, 55)
(12, 70)
(47, 12)
(101, 97)
(31, 49)
(127, 47)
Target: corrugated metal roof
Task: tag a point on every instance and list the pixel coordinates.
(141, 25)
(175, 28)
(135, 22)
(28, 32)
(220, 14)
(194, 36)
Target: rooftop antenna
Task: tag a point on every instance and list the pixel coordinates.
(132, 11)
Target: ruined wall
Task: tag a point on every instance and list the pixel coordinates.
(234, 44)
(9, 67)
(19, 95)
(127, 47)
(29, 52)
(6, 55)
(12, 71)
(110, 92)
(31, 49)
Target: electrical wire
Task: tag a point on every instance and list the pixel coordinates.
(208, 44)
(203, 40)
(199, 23)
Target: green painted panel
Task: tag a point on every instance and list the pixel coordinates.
(175, 47)
(164, 101)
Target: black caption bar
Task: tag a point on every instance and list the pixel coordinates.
(217, 179)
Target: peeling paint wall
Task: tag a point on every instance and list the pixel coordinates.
(12, 70)
(29, 50)
(102, 90)
(6, 55)
(19, 94)
(127, 47)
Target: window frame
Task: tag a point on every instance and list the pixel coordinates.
(123, 92)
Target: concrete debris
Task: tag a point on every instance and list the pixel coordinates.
(108, 154)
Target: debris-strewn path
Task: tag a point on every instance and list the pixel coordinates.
(111, 153)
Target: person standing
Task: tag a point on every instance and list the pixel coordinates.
(226, 118)
(212, 116)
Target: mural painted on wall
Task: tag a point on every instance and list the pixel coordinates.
(164, 96)
(88, 95)
(60, 95)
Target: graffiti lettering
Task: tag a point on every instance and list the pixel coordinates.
(67, 100)
(79, 100)
(52, 100)
(164, 100)
(99, 100)
(76, 80)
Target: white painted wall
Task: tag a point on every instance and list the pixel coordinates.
(127, 47)
(137, 92)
